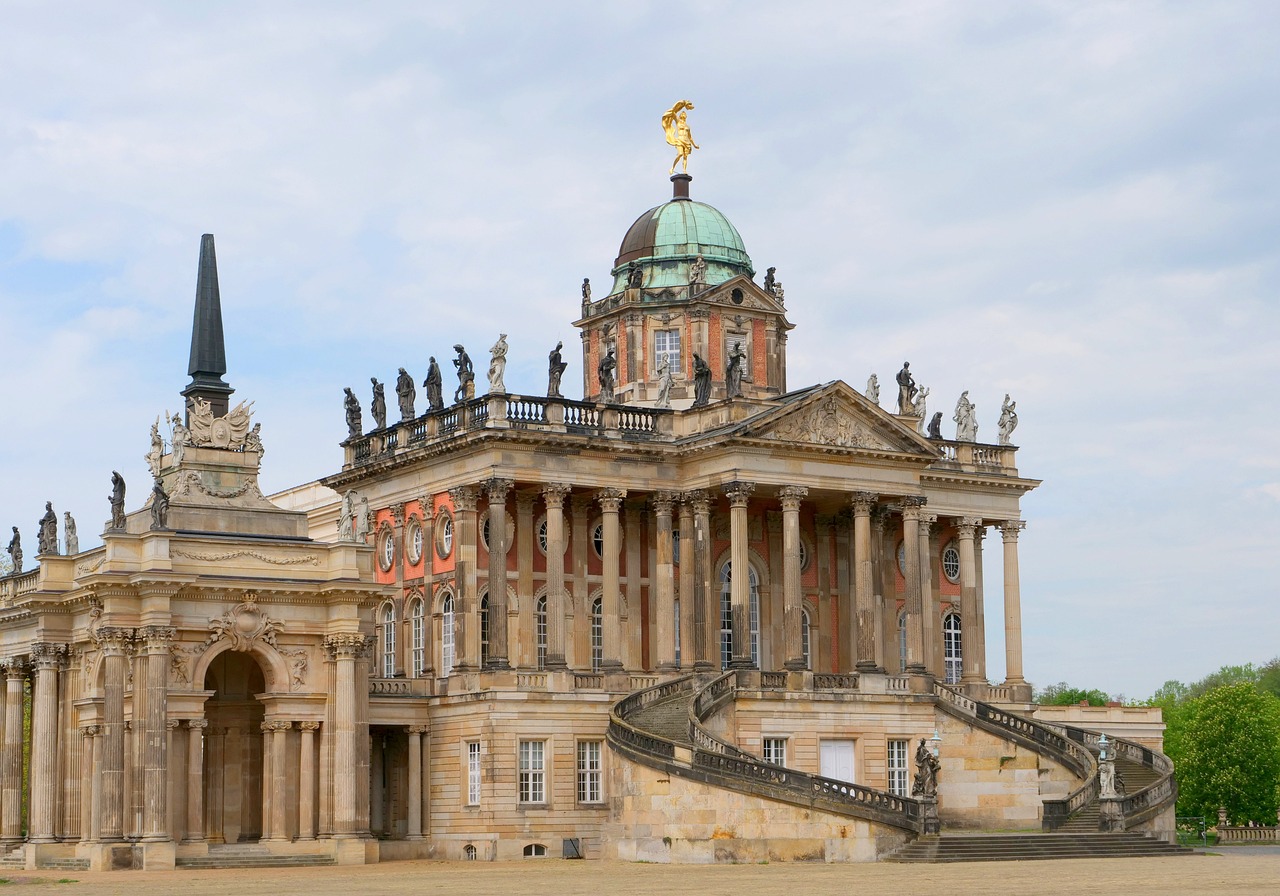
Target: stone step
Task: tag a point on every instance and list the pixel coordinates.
(253, 861)
(1019, 847)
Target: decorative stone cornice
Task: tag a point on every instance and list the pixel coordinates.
(611, 499)
(464, 497)
(791, 496)
(863, 503)
(739, 493)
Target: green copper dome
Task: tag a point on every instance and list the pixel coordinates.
(665, 239)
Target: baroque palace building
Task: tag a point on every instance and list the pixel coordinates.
(696, 616)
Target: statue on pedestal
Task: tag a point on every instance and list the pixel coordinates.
(926, 781)
(769, 280)
(253, 441)
(434, 385)
(873, 389)
(556, 366)
(604, 374)
(117, 501)
(664, 383)
(159, 507)
(15, 550)
(352, 406)
(1008, 420)
(701, 382)
(405, 394)
(157, 449)
(181, 439)
(47, 540)
(69, 526)
(966, 419)
(918, 406)
(906, 389)
(586, 291)
(498, 364)
(466, 375)
(935, 426)
(635, 276)
(698, 271)
(675, 123)
(733, 372)
(378, 407)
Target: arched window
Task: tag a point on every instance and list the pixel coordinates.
(389, 641)
(446, 636)
(597, 634)
(676, 628)
(417, 636)
(484, 631)
(535, 850)
(902, 642)
(951, 646)
(726, 614)
(804, 639)
(469, 852)
(540, 630)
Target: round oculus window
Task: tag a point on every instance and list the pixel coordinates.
(951, 563)
(414, 542)
(386, 550)
(444, 537)
(902, 558)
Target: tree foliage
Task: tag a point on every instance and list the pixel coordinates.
(1225, 745)
(1063, 694)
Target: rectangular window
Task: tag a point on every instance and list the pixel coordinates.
(775, 750)
(589, 771)
(473, 773)
(898, 771)
(533, 771)
(666, 343)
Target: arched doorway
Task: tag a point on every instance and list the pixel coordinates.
(233, 755)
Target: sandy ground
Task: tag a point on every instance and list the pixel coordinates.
(1257, 871)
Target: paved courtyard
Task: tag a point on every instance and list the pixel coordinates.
(1257, 871)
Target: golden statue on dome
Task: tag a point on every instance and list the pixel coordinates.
(675, 121)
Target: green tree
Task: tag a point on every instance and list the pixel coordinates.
(1225, 746)
(1063, 694)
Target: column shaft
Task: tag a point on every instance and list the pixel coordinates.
(87, 778)
(280, 779)
(739, 494)
(497, 490)
(1012, 603)
(466, 616)
(610, 504)
(44, 742)
(346, 759)
(557, 607)
(156, 746)
(214, 804)
(930, 617)
(195, 779)
(688, 639)
(706, 620)
(792, 598)
(414, 829)
(864, 599)
(665, 591)
(911, 546)
(307, 780)
(11, 768)
(968, 601)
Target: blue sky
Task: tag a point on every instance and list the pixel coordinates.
(1075, 203)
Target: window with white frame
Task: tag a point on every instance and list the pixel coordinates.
(676, 627)
(540, 630)
(484, 631)
(726, 614)
(899, 772)
(774, 749)
(535, 851)
(533, 771)
(597, 539)
(418, 636)
(951, 563)
(902, 642)
(590, 771)
(666, 344)
(951, 647)
(473, 773)
(444, 536)
(389, 641)
(805, 639)
(597, 634)
(469, 852)
(446, 636)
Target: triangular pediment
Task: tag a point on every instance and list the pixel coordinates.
(837, 416)
(752, 296)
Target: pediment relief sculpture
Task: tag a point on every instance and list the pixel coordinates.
(826, 422)
(244, 624)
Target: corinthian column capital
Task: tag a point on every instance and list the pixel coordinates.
(1009, 529)
(739, 493)
(863, 502)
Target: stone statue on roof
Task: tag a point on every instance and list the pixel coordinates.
(434, 386)
(15, 550)
(378, 406)
(675, 123)
(701, 382)
(604, 374)
(906, 389)
(69, 526)
(1008, 420)
(405, 394)
(498, 364)
(733, 371)
(664, 382)
(966, 419)
(159, 507)
(351, 405)
(48, 539)
(556, 366)
(117, 501)
(466, 375)
(873, 389)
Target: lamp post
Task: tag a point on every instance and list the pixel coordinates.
(935, 743)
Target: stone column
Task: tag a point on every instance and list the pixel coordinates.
(689, 649)
(45, 659)
(346, 749)
(11, 766)
(268, 785)
(214, 804)
(968, 600)
(610, 503)
(280, 778)
(930, 617)
(155, 762)
(175, 779)
(915, 607)
(414, 831)
(497, 489)
(557, 605)
(307, 780)
(466, 616)
(1009, 530)
(578, 651)
(792, 598)
(886, 608)
(980, 631)
(666, 585)
(739, 494)
(706, 608)
(195, 780)
(377, 783)
(864, 598)
(88, 776)
(523, 651)
(111, 808)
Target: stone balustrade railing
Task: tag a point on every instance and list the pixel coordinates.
(1228, 834)
(15, 586)
(400, 687)
(511, 411)
(973, 455)
(1141, 805)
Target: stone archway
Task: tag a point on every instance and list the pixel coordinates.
(233, 758)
